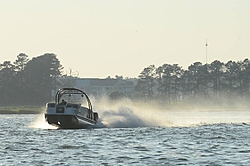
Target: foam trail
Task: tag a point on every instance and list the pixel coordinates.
(123, 117)
(128, 114)
(209, 116)
(41, 123)
(125, 114)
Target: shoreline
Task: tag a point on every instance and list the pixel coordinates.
(21, 110)
(150, 105)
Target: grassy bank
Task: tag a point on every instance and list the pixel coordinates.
(21, 110)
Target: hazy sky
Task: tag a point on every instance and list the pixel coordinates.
(100, 38)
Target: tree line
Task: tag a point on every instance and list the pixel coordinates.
(212, 83)
(28, 81)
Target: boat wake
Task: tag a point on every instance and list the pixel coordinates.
(128, 114)
(123, 117)
(40, 123)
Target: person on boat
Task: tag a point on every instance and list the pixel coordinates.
(63, 102)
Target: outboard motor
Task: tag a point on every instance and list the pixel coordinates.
(95, 116)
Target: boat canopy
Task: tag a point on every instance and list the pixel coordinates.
(70, 91)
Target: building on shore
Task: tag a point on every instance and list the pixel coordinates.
(99, 87)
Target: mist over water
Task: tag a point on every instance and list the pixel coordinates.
(129, 114)
(123, 114)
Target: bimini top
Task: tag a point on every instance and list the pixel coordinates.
(70, 91)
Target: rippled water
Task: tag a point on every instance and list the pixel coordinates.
(28, 140)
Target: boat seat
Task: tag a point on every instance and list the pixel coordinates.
(69, 105)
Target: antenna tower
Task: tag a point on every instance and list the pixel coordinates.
(206, 50)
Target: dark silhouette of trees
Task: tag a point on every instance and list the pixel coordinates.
(244, 78)
(216, 72)
(40, 73)
(19, 80)
(169, 81)
(166, 81)
(232, 71)
(7, 74)
(21, 61)
(146, 82)
(246, 73)
(213, 83)
(198, 80)
(31, 82)
(177, 72)
(28, 81)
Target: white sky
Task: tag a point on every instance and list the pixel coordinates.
(100, 38)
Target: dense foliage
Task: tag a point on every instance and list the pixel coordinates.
(213, 83)
(28, 81)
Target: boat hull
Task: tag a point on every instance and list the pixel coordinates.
(69, 121)
(71, 114)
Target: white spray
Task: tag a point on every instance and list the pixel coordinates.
(128, 114)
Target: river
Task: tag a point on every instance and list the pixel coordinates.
(122, 137)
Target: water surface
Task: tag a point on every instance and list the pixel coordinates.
(222, 139)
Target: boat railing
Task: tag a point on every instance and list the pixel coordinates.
(50, 105)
